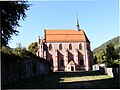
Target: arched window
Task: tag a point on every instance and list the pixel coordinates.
(81, 62)
(50, 46)
(80, 47)
(70, 47)
(61, 62)
(60, 47)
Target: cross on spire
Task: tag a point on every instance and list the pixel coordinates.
(77, 23)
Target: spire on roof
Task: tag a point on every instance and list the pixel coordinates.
(77, 23)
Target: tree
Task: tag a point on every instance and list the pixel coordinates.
(110, 54)
(21, 51)
(95, 59)
(6, 50)
(17, 50)
(33, 47)
(99, 57)
(11, 13)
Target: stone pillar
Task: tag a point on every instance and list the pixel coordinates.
(66, 57)
(41, 53)
(55, 61)
(76, 56)
(87, 68)
(45, 54)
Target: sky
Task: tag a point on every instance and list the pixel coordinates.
(98, 18)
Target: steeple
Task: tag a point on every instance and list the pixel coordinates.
(77, 23)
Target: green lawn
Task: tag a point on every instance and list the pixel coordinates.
(66, 80)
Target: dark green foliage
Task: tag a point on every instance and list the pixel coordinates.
(6, 49)
(33, 47)
(95, 60)
(20, 51)
(108, 53)
(11, 13)
(99, 57)
(116, 62)
(24, 52)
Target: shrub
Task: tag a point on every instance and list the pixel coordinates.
(6, 50)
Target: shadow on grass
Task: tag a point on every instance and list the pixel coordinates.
(52, 81)
(78, 73)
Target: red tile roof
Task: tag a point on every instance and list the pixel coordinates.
(65, 36)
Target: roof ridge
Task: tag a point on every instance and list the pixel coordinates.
(65, 35)
(63, 29)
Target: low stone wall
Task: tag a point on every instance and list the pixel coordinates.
(21, 69)
(113, 72)
(109, 72)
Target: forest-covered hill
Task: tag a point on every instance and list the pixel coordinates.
(114, 41)
(108, 53)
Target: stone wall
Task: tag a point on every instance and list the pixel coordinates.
(109, 72)
(113, 72)
(16, 70)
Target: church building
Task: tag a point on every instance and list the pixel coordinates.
(66, 50)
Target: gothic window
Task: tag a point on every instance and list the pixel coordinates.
(71, 58)
(80, 47)
(70, 47)
(50, 46)
(81, 62)
(61, 62)
(60, 47)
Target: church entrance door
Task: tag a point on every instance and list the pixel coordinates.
(72, 68)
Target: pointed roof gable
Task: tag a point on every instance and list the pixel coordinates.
(71, 62)
(65, 36)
